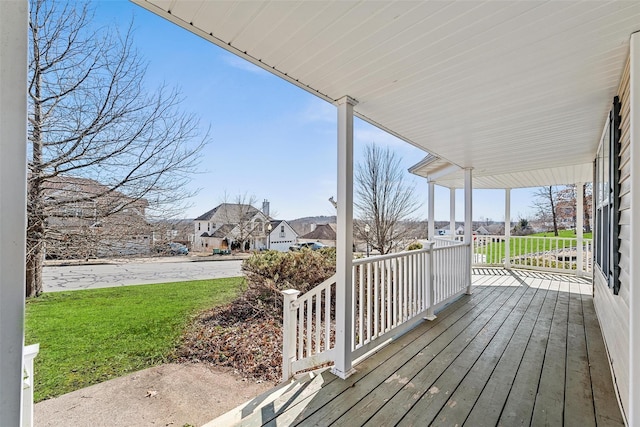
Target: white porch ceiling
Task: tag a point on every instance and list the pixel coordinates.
(517, 90)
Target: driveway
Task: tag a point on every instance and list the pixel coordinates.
(136, 272)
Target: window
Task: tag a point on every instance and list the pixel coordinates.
(198, 226)
(282, 234)
(607, 177)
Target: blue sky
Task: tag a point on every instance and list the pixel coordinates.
(269, 138)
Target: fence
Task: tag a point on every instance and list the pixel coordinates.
(390, 292)
(557, 254)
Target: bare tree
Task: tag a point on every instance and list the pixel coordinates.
(90, 116)
(545, 203)
(587, 201)
(383, 199)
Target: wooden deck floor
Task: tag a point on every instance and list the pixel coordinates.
(524, 349)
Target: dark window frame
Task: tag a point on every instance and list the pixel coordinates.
(607, 201)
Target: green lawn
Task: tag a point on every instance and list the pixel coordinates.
(90, 336)
(562, 233)
(538, 242)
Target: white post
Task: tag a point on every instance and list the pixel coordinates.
(580, 228)
(452, 212)
(289, 308)
(468, 223)
(432, 226)
(430, 284)
(633, 406)
(344, 240)
(507, 228)
(30, 352)
(13, 190)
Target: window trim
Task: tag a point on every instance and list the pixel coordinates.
(606, 205)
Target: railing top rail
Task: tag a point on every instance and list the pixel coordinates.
(455, 245)
(491, 236)
(375, 258)
(330, 281)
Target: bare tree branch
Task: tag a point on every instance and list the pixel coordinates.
(101, 143)
(383, 199)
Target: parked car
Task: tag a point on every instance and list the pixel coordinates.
(178, 249)
(314, 246)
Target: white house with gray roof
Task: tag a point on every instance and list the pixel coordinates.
(230, 226)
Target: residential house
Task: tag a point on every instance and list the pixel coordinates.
(490, 230)
(501, 95)
(323, 233)
(281, 236)
(87, 219)
(232, 226)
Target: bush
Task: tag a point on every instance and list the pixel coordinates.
(269, 273)
(414, 246)
(247, 334)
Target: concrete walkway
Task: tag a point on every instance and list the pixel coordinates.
(166, 395)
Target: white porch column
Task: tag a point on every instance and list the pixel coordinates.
(432, 225)
(507, 228)
(633, 405)
(468, 223)
(579, 228)
(13, 190)
(452, 212)
(344, 240)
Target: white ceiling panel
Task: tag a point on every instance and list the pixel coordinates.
(513, 89)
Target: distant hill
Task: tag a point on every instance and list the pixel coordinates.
(303, 226)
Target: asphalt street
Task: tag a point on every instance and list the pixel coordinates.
(66, 278)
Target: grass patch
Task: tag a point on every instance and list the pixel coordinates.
(533, 243)
(562, 233)
(90, 336)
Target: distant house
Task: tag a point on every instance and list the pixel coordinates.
(490, 230)
(324, 233)
(87, 219)
(232, 226)
(282, 236)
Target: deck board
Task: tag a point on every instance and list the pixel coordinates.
(524, 349)
(493, 373)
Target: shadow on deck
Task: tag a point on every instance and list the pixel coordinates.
(524, 349)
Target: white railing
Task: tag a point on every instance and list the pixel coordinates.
(390, 294)
(28, 354)
(451, 272)
(558, 254)
(388, 290)
(447, 240)
(308, 327)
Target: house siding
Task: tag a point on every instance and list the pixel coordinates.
(613, 310)
(281, 242)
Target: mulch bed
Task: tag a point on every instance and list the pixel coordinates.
(237, 335)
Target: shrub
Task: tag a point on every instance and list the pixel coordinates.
(269, 273)
(414, 246)
(247, 334)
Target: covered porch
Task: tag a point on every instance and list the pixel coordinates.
(524, 349)
(502, 95)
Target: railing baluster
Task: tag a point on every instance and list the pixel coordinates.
(327, 317)
(360, 268)
(389, 299)
(353, 311)
(376, 300)
(309, 325)
(383, 303)
(369, 305)
(318, 325)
